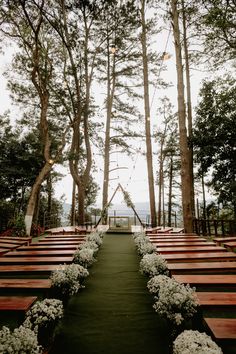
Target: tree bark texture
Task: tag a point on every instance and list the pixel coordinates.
(184, 151)
(147, 118)
(189, 107)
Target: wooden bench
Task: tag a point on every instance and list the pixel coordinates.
(177, 231)
(28, 268)
(3, 250)
(220, 240)
(25, 283)
(17, 238)
(200, 257)
(61, 239)
(177, 239)
(9, 246)
(152, 230)
(221, 299)
(189, 249)
(230, 245)
(222, 328)
(182, 244)
(202, 268)
(228, 280)
(38, 247)
(58, 243)
(40, 253)
(16, 303)
(164, 230)
(171, 235)
(82, 237)
(35, 260)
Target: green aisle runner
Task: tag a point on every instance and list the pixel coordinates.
(114, 313)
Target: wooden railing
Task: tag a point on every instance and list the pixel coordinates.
(214, 227)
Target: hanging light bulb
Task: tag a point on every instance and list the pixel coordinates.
(113, 49)
(165, 56)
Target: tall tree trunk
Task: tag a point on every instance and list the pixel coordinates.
(170, 192)
(147, 118)
(72, 217)
(163, 200)
(189, 108)
(81, 203)
(159, 194)
(184, 151)
(33, 196)
(111, 82)
(49, 191)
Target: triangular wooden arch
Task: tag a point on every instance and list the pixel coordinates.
(108, 204)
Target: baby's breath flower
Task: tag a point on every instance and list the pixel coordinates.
(194, 342)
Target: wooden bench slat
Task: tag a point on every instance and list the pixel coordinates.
(16, 303)
(216, 298)
(188, 249)
(9, 245)
(222, 328)
(25, 283)
(3, 250)
(61, 239)
(183, 244)
(66, 237)
(200, 257)
(38, 247)
(28, 268)
(49, 242)
(181, 239)
(220, 240)
(199, 267)
(30, 253)
(35, 260)
(203, 279)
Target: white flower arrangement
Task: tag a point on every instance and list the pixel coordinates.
(140, 237)
(156, 282)
(146, 248)
(91, 245)
(153, 264)
(67, 278)
(176, 302)
(21, 340)
(194, 342)
(44, 313)
(143, 244)
(95, 237)
(84, 257)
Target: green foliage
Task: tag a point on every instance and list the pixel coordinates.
(216, 27)
(215, 136)
(18, 225)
